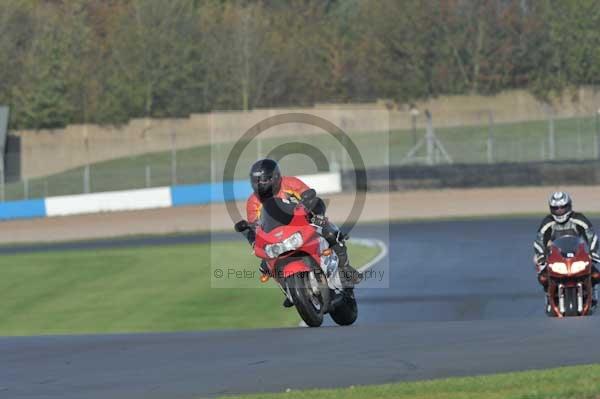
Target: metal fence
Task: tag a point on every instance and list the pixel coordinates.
(481, 139)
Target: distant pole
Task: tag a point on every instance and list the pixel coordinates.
(148, 176)
(414, 114)
(4, 116)
(598, 133)
(86, 179)
(490, 140)
(2, 176)
(173, 158)
(551, 138)
(86, 172)
(430, 139)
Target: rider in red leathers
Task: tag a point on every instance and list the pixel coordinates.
(267, 182)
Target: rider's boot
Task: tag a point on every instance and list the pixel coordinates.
(349, 276)
(287, 303)
(336, 240)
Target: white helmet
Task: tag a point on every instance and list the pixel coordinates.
(561, 206)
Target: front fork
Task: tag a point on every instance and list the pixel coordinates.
(583, 306)
(561, 299)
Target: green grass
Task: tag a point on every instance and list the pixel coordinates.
(150, 289)
(580, 382)
(514, 142)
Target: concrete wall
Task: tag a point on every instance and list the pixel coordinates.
(46, 152)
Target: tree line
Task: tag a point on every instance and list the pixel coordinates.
(106, 61)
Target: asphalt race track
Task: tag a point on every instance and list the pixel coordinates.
(462, 300)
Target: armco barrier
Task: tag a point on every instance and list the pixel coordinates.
(151, 198)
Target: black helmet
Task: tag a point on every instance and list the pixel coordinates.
(265, 178)
(561, 206)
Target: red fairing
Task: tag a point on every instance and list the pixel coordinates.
(555, 255)
(311, 243)
(582, 253)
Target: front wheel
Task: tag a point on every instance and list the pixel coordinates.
(310, 295)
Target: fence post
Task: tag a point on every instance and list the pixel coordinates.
(173, 158)
(2, 180)
(86, 179)
(551, 142)
(429, 137)
(4, 116)
(148, 176)
(490, 140)
(26, 188)
(414, 114)
(598, 133)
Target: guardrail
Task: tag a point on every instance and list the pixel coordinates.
(151, 198)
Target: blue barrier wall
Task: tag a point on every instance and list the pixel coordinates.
(210, 193)
(158, 197)
(22, 209)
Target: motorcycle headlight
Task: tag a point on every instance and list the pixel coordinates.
(579, 266)
(289, 244)
(274, 250)
(294, 241)
(559, 267)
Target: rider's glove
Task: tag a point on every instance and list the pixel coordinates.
(540, 264)
(309, 199)
(241, 226)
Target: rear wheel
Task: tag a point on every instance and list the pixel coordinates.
(571, 301)
(346, 312)
(310, 295)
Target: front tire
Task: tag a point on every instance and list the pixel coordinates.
(571, 301)
(310, 306)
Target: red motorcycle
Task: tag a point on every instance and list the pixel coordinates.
(569, 274)
(302, 263)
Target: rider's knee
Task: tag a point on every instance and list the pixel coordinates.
(543, 280)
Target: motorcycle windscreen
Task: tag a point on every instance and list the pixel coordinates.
(276, 212)
(569, 245)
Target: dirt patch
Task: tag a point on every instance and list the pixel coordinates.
(420, 204)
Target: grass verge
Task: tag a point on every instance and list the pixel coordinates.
(579, 382)
(144, 289)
